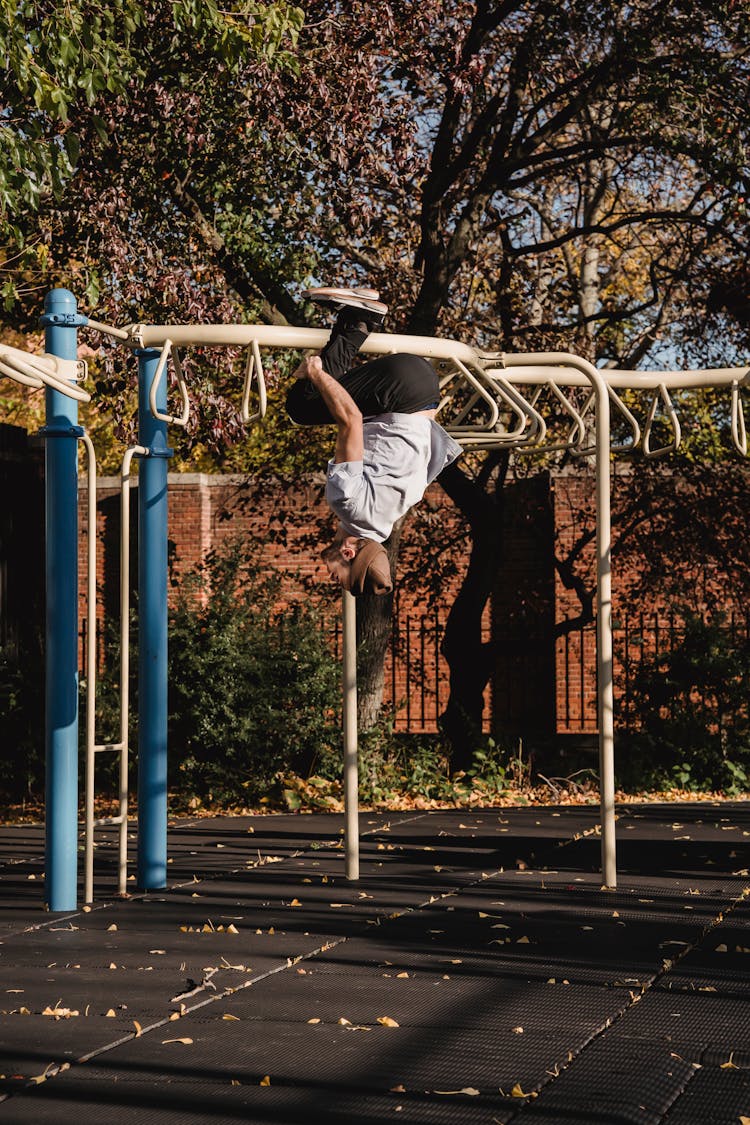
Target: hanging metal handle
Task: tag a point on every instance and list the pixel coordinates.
(739, 429)
(254, 373)
(674, 421)
(177, 420)
(44, 370)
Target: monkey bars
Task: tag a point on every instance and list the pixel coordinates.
(487, 399)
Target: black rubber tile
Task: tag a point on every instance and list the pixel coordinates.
(349, 1057)
(715, 1095)
(612, 1083)
(168, 1101)
(362, 995)
(689, 1022)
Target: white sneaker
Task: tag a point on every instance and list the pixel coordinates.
(347, 298)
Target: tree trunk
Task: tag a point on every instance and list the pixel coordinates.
(374, 613)
(470, 660)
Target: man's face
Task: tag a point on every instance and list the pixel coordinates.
(338, 558)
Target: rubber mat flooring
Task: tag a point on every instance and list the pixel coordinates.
(476, 972)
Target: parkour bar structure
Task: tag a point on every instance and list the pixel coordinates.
(533, 403)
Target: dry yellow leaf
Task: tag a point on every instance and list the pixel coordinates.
(315, 1019)
(470, 1090)
(59, 1013)
(187, 1041)
(232, 929)
(111, 1014)
(265, 1080)
(111, 929)
(344, 1021)
(295, 902)
(174, 1016)
(227, 1016)
(401, 976)
(386, 1021)
(138, 1028)
(112, 965)
(400, 1089)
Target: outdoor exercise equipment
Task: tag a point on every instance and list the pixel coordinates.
(530, 402)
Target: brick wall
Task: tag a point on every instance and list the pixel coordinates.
(540, 618)
(284, 527)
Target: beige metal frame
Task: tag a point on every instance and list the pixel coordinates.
(481, 393)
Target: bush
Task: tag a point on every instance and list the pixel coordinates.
(252, 690)
(21, 724)
(691, 707)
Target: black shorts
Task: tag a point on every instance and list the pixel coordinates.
(391, 384)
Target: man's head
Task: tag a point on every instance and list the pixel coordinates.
(358, 565)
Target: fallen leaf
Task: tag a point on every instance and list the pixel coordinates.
(227, 1016)
(187, 1041)
(232, 929)
(470, 1090)
(386, 1021)
(315, 1019)
(517, 1030)
(721, 948)
(295, 902)
(344, 1021)
(265, 1080)
(400, 1089)
(111, 929)
(517, 1092)
(111, 1014)
(401, 976)
(138, 1028)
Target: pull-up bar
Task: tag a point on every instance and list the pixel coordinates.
(483, 404)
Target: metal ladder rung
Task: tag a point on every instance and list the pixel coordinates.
(114, 746)
(104, 821)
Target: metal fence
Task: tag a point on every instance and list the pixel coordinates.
(416, 679)
(637, 639)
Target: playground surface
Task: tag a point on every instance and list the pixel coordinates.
(477, 972)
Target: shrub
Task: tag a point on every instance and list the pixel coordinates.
(252, 689)
(691, 707)
(21, 724)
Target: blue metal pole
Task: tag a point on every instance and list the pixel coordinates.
(152, 631)
(60, 321)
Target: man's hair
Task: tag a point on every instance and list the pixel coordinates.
(368, 572)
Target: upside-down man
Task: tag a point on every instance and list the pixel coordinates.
(388, 445)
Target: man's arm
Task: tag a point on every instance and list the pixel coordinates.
(344, 411)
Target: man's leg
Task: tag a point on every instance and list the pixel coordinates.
(304, 403)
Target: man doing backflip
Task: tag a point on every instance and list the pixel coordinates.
(388, 444)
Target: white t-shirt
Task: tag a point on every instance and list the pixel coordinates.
(402, 454)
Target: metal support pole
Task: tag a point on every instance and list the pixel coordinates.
(606, 702)
(351, 775)
(152, 632)
(60, 321)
